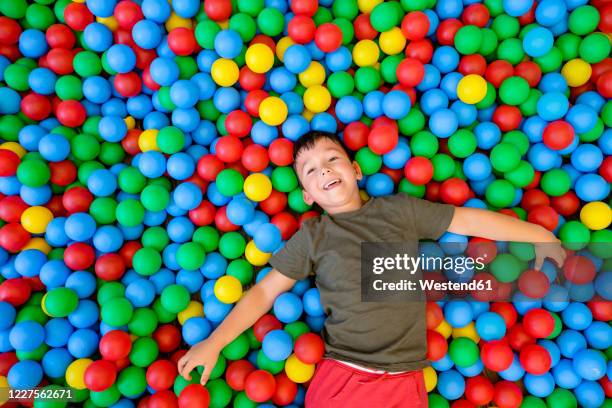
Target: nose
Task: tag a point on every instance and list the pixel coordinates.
(325, 171)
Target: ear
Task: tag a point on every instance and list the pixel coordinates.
(357, 170)
(307, 197)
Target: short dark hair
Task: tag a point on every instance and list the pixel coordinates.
(308, 141)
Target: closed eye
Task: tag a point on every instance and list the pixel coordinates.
(309, 171)
(333, 158)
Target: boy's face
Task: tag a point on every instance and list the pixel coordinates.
(328, 176)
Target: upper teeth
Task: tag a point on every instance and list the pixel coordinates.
(330, 183)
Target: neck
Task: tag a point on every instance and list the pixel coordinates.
(354, 203)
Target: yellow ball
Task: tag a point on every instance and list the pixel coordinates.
(228, 289)
(3, 395)
(298, 371)
(431, 378)
(147, 140)
(175, 21)
(255, 256)
(444, 329)
(576, 72)
(273, 111)
(110, 22)
(37, 243)
(472, 89)
(282, 45)
(224, 72)
(392, 42)
(468, 331)
(313, 75)
(14, 147)
(317, 98)
(35, 219)
(596, 215)
(257, 187)
(259, 58)
(224, 25)
(366, 53)
(366, 6)
(75, 373)
(130, 122)
(193, 309)
(308, 114)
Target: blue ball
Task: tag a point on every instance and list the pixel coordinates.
(570, 342)
(186, 119)
(186, 8)
(240, 211)
(152, 164)
(196, 329)
(83, 283)
(214, 265)
(121, 58)
(54, 147)
(54, 273)
(538, 42)
(348, 109)
(582, 117)
(397, 158)
(28, 263)
(33, 43)
(140, 292)
(80, 227)
(542, 158)
(587, 158)
(589, 364)
(396, 104)
(477, 167)
(27, 335)
(449, 84)
(552, 106)
(443, 364)
(513, 373)
(55, 362)
(83, 343)
(451, 384)
(42, 81)
(449, 9)
(379, 184)
(592, 187)
(553, 82)
(267, 237)
(215, 310)
(288, 307)
(25, 374)
(324, 122)
(184, 93)
(277, 345)
(282, 80)
(550, 12)
(443, 123)
(156, 10)
(539, 385)
(7, 315)
(112, 128)
(180, 166)
(473, 370)
(228, 44)
(490, 326)
(187, 196)
(180, 229)
(487, 135)
(164, 71)
(458, 313)
(295, 126)
(431, 79)
(432, 100)
(297, 58)
(372, 104)
(445, 58)
(339, 60)
(85, 315)
(312, 302)
(564, 374)
(192, 280)
(101, 8)
(146, 34)
(98, 37)
(590, 394)
(466, 114)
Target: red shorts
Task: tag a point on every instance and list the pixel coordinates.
(338, 385)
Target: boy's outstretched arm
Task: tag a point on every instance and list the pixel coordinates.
(255, 303)
(500, 227)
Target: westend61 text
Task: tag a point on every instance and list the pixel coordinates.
(429, 285)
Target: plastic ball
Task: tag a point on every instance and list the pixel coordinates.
(472, 89)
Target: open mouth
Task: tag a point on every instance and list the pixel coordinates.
(331, 184)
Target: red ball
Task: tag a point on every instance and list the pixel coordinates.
(127, 13)
(238, 123)
(421, 50)
(9, 161)
(249, 80)
(579, 269)
(77, 199)
(496, 355)
(558, 135)
(229, 148)
(507, 395)
(128, 84)
(255, 158)
(433, 315)
(79, 256)
(110, 267)
(253, 100)
(264, 325)
(77, 16)
(482, 248)
(286, 223)
(15, 291)
(286, 390)
(534, 198)
(161, 375)
(71, 113)
(446, 31)
(363, 28)
(301, 29)
(100, 375)
(115, 345)
(8, 358)
(13, 237)
(59, 60)
(472, 64)
(309, 348)
(538, 323)
(11, 208)
(194, 395)
(604, 84)
(163, 399)
(530, 71)
(328, 36)
(410, 72)
(415, 25)
(304, 7)
(11, 30)
(418, 170)
(568, 203)
(436, 345)
(218, 10)
(518, 337)
(454, 191)
(506, 311)
(260, 385)
(181, 41)
(280, 152)
(203, 214)
(356, 135)
(476, 14)
(275, 203)
(237, 372)
(479, 390)
(167, 337)
(209, 167)
(128, 250)
(222, 222)
(59, 36)
(382, 139)
(533, 284)
(507, 117)
(36, 107)
(545, 216)
(601, 309)
(535, 359)
(63, 173)
(605, 170)
(498, 71)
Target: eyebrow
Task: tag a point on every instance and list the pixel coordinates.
(336, 149)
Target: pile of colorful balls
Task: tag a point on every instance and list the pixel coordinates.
(146, 178)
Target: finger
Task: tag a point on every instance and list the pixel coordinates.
(186, 373)
(205, 374)
(182, 361)
(539, 261)
(560, 259)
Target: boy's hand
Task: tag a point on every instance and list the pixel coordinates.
(206, 354)
(551, 249)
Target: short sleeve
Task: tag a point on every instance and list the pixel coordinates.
(430, 219)
(294, 260)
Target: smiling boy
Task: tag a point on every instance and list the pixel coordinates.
(374, 351)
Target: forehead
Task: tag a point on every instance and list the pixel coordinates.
(321, 146)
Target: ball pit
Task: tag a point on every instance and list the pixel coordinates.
(146, 179)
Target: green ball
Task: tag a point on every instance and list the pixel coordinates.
(505, 157)
(220, 393)
(229, 182)
(146, 261)
(205, 33)
(187, 66)
(39, 16)
(284, 179)
(60, 302)
(595, 133)
(436, 401)
(489, 42)
(105, 398)
(551, 61)
(237, 348)
(514, 90)
(69, 87)
(369, 161)
(594, 48)
(443, 167)
(506, 267)
(606, 114)
(489, 98)
(163, 315)
(386, 15)
(462, 144)
(244, 25)
(556, 182)
(241, 270)
(131, 180)
(175, 298)
(144, 352)
(388, 68)
(111, 153)
(271, 21)
(522, 175)
(103, 209)
(468, 39)
(561, 398)
(583, 20)
(346, 27)
(16, 77)
(601, 243)
(110, 290)
(130, 213)
(511, 50)
(116, 312)
(413, 190)
(529, 401)
(131, 381)
(524, 251)
(14, 9)
(85, 147)
(87, 64)
(568, 44)
(250, 7)
(296, 201)
(264, 363)
(219, 368)
(242, 401)
(33, 173)
(463, 351)
(296, 329)
(190, 256)
(505, 26)
(156, 238)
(530, 106)
(367, 79)
(208, 237)
(340, 84)
(10, 125)
(345, 9)
(518, 139)
(154, 198)
(170, 140)
(413, 123)
(232, 245)
(322, 15)
(500, 193)
(425, 144)
(574, 235)
(144, 322)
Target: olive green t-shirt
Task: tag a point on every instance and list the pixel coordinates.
(380, 335)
